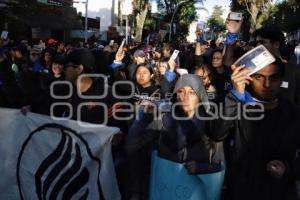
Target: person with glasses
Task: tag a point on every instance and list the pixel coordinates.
(220, 75)
(82, 62)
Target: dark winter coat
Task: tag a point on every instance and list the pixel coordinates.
(254, 143)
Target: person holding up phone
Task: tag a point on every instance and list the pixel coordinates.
(233, 26)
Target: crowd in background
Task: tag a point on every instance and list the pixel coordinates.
(262, 156)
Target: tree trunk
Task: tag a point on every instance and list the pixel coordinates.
(253, 18)
(140, 19)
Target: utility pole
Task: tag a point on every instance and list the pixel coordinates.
(86, 18)
(171, 23)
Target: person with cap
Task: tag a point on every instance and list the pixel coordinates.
(51, 42)
(181, 135)
(82, 62)
(139, 57)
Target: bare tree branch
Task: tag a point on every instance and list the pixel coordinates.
(247, 7)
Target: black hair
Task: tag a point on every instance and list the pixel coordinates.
(168, 47)
(212, 44)
(238, 52)
(205, 66)
(58, 59)
(159, 50)
(164, 59)
(59, 43)
(51, 52)
(273, 33)
(21, 48)
(280, 64)
(82, 57)
(149, 67)
(215, 51)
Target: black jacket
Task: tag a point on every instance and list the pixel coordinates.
(291, 86)
(253, 143)
(178, 140)
(89, 110)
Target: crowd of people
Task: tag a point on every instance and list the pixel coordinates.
(197, 109)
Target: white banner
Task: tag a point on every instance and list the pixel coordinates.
(45, 159)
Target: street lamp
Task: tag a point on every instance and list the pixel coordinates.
(176, 8)
(126, 10)
(86, 18)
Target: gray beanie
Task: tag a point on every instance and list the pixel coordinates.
(196, 83)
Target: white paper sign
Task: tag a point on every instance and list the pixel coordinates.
(256, 59)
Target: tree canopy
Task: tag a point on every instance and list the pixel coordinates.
(215, 22)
